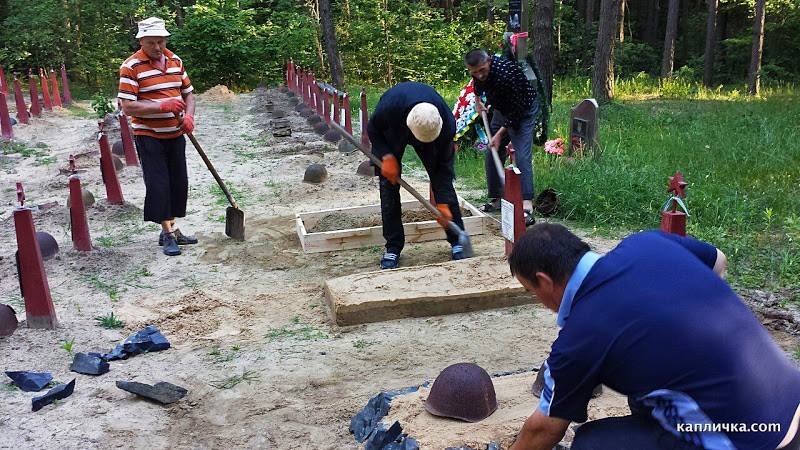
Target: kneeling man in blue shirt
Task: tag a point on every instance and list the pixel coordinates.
(652, 320)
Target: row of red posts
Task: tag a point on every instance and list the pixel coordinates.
(303, 83)
(35, 290)
(49, 85)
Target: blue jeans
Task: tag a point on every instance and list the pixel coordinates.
(522, 138)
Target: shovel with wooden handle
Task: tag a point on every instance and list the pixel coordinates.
(495, 156)
(234, 217)
(463, 237)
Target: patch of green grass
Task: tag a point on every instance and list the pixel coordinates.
(80, 112)
(190, 282)
(296, 331)
(109, 288)
(512, 310)
(11, 147)
(45, 160)
(116, 285)
(214, 217)
(67, 345)
(123, 233)
(230, 382)
(738, 154)
(110, 321)
(797, 352)
(363, 343)
(245, 153)
(240, 193)
(235, 348)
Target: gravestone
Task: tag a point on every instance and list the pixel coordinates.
(583, 128)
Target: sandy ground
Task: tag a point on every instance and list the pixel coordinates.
(253, 310)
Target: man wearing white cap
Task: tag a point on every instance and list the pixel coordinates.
(414, 114)
(153, 89)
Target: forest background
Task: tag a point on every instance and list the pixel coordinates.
(680, 72)
(244, 42)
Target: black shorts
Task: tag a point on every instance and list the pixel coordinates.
(165, 178)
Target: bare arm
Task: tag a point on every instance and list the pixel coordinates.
(720, 264)
(138, 108)
(189, 99)
(540, 432)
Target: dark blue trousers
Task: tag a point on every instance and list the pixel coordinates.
(440, 171)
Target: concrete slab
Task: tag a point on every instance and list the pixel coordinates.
(453, 287)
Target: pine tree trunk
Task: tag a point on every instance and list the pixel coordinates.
(543, 41)
(489, 12)
(711, 25)
(652, 23)
(580, 6)
(754, 75)
(558, 28)
(331, 43)
(668, 59)
(603, 78)
(387, 41)
(622, 20)
(313, 12)
(590, 4)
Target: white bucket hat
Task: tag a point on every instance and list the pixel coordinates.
(152, 27)
(425, 122)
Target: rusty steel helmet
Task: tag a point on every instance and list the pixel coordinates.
(462, 391)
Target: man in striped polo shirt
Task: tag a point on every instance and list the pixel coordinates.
(154, 90)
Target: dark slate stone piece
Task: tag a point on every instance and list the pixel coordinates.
(406, 443)
(147, 340)
(117, 353)
(162, 392)
(383, 438)
(30, 381)
(57, 393)
(493, 446)
(363, 423)
(89, 364)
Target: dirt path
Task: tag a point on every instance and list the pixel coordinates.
(252, 310)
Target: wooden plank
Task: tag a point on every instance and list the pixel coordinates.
(452, 287)
(326, 241)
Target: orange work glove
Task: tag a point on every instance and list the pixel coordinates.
(187, 126)
(173, 105)
(391, 168)
(447, 216)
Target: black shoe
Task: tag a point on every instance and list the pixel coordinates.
(389, 260)
(184, 239)
(529, 219)
(180, 237)
(458, 253)
(171, 245)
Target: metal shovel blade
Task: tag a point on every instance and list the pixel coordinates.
(463, 240)
(234, 223)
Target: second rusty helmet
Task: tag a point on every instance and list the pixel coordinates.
(462, 391)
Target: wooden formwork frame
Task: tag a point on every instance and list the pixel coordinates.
(364, 237)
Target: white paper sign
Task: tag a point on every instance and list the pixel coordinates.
(507, 216)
